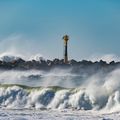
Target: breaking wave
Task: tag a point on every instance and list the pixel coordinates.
(24, 97)
(60, 89)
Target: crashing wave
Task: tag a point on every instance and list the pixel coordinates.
(37, 57)
(20, 97)
(9, 58)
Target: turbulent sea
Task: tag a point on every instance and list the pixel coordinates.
(59, 94)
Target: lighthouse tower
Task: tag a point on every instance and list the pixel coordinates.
(65, 38)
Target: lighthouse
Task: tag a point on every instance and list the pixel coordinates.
(66, 38)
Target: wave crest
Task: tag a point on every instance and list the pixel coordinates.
(20, 97)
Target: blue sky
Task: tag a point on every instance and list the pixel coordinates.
(37, 26)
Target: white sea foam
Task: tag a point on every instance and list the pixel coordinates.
(20, 97)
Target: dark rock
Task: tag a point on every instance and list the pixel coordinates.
(81, 67)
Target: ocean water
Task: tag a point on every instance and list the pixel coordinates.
(38, 94)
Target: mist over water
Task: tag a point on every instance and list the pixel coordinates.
(56, 77)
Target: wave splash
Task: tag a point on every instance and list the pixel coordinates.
(23, 97)
(99, 92)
